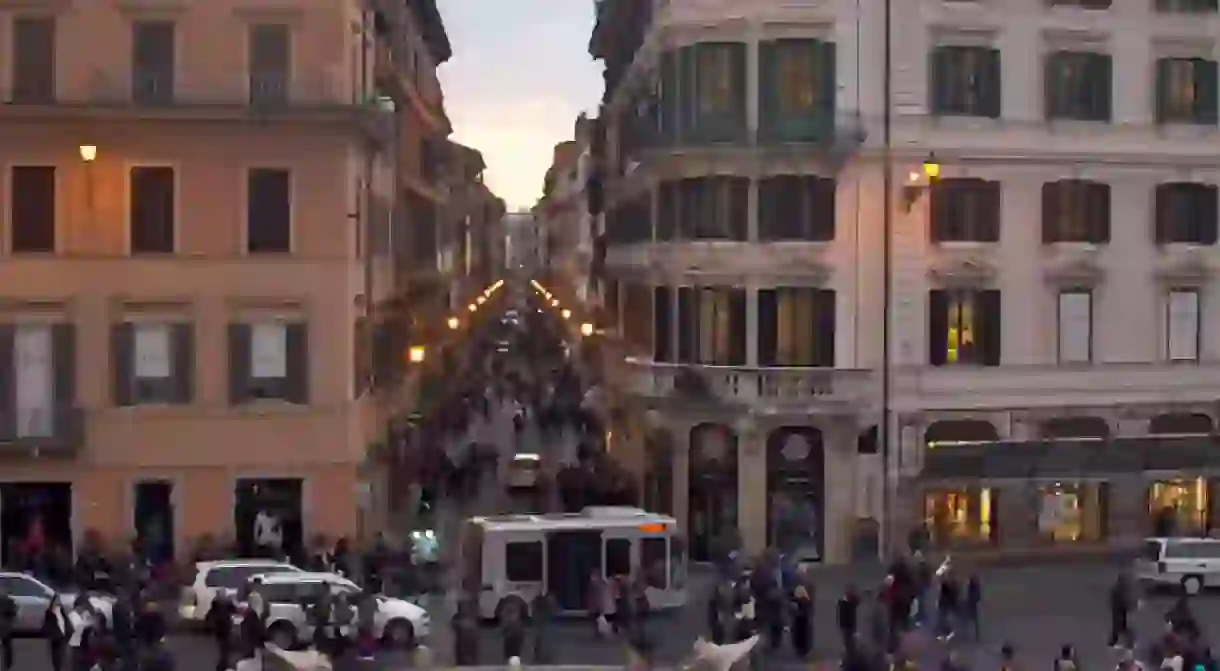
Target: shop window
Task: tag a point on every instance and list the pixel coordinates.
(523, 562)
(962, 515)
(1070, 513)
(1178, 507)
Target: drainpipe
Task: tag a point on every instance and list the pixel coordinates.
(889, 479)
(366, 205)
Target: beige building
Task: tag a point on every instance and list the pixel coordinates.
(190, 193)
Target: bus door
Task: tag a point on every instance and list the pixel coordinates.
(573, 559)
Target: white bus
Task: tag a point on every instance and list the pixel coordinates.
(509, 558)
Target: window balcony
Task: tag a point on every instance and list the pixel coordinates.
(766, 389)
(56, 430)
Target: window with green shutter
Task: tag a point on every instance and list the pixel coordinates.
(797, 84)
(1078, 86)
(1186, 91)
(669, 95)
(715, 76)
(1186, 5)
(965, 81)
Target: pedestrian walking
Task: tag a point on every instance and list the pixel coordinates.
(1121, 605)
(512, 629)
(221, 624)
(848, 614)
(57, 630)
(543, 611)
(947, 606)
(802, 621)
(972, 608)
(466, 633)
(81, 619)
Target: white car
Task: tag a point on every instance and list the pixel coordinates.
(399, 623)
(226, 574)
(33, 596)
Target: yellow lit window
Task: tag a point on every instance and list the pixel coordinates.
(798, 80)
(714, 79)
(960, 337)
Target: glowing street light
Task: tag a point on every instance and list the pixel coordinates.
(586, 329)
(88, 152)
(416, 353)
(480, 300)
(931, 167)
(555, 303)
(454, 323)
(567, 314)
(471, 307)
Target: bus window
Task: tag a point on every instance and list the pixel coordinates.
(653, 555)
(523, 562)
(677, 563)
(618, 557)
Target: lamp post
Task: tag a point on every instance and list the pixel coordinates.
(887, 271)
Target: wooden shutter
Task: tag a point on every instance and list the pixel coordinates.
(938, 327)
(1161, 104)
(670, 95)
(662, 324)
(33, 59)
(988, 327)
(1100, 78)
(183, 347)
(737, 327)
(239, 363)
(822, 226)
(827, 62)
(939, 62)
(768, 326)
(768, 88)
(737, 51)
(1207, 91)
(667, 210)
(1099, 213)
(297, 346)
(739, 208)
(987, 204)
(824, 313)
(32, 208)
(122, 364)
(688, 319)
(940, 210)
(1208, 214)
(268, 210)
(688, 94)
(993, 76)
(1163, 218)
(1052, 84)
(767, 194)
(1051, 212)
(63, 361)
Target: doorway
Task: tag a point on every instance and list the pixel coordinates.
(35, 517)
(153, 520)
(275, 506)
(573, 557)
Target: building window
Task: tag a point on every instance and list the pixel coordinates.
(153, 362)
(152, 62)
(1078, 86)
(268, 210)
(662, 324)
(1186, 5)
(964, 327)
(270, 63)
(797, 82)
(715, 85)
(523, 561)
(33, 60)
(1186, 213)
(1069, 513)
(1075, 326)
(1186, 91)
(711, 91)
(1179, 507)
(711, 326)
(1075, 211)
(966, 81)
(959, 516)
(1082, 4)
(32, 209)
(796, 327)
(269, 360)
(713, 208)
(965, 210)
(1182, 325)
(796, 207)
(152, 210)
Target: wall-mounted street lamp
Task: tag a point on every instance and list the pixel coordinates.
(454, 323)
(480, 300)
(566, 313)
(416, 353)
(472, 307)
(586, 329)
(920, 181)
(88, 152)
(555, 303)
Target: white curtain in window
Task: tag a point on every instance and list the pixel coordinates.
(268, 351)
(1075, 326)
(1183, 326)
(152, 352)
(32, 361)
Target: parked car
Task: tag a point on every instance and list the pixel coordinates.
(398, 623)
(226, 574)
(33, 597)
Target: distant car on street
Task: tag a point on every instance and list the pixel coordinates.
(226, 575)
(33, 596)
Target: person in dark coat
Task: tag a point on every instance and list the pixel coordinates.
(543, 617)
(8, 622)
(721, 613)
(512, 627)
(220, 620)
(122, 629)
(848, 616)
(466, 634)
(802, 621)
(57, 629)
(253, 627)
(150, 625)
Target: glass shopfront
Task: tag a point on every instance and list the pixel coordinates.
(1179, 507)
(960, 515)
(1072, 512)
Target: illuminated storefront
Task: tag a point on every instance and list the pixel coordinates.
(959, 516)
(1072, 512)
(1179, 507)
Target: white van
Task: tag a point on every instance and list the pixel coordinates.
(1191, 563)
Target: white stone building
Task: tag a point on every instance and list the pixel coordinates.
(1054, 300)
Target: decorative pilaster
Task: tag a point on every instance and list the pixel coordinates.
(751, 486)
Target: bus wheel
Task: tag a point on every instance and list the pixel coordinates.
(509, 603)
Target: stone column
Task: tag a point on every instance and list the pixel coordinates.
(751, 326)
(839, 502)
(1015, 513)
(752, 491)
(1128, 510)
(681, 477)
